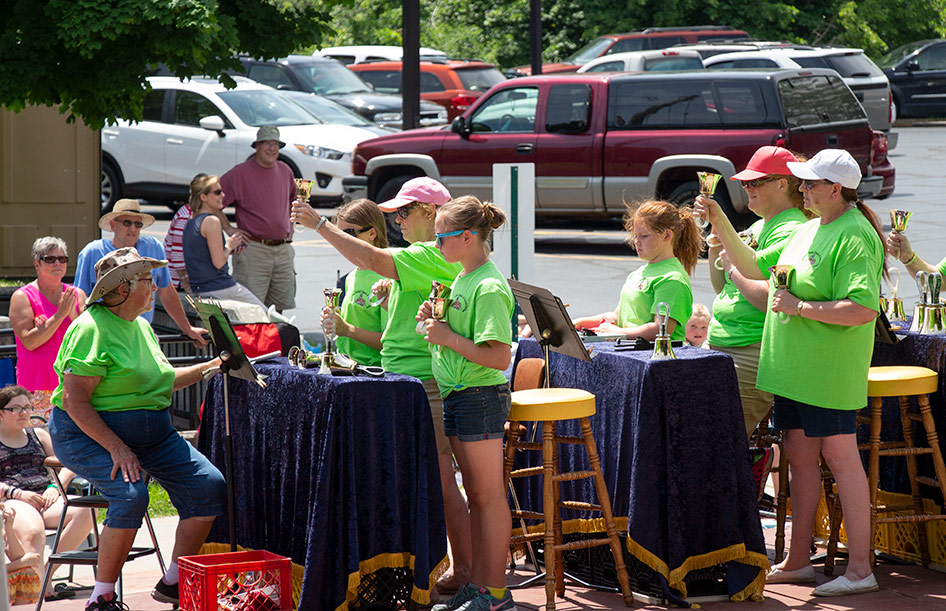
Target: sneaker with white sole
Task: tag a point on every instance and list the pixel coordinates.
(803, 575)
(484, 601)
(465, 593)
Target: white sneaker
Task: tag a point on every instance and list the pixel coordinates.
(802, 575)
(842, 586)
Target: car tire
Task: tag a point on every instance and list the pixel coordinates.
(387, 191)
(111, 186)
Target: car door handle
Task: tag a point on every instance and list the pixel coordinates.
(110, 132)
(175, 141)
(831, 139)
(524, 149)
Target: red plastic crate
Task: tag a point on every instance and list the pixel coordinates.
(254, 580)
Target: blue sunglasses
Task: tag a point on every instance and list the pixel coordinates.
(450, 234)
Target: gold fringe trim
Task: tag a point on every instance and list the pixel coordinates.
(388, 561)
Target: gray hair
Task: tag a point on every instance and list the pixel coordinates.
(42, 246)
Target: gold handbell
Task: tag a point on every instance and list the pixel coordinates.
(303, 189)
(663, 348)
(708, 182)
(894, 310)
(899, 219)
(883, 303)
(933, 323)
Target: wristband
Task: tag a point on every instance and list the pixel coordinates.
(912, 259)
(319, 224)
(50, 486)
(798, 308)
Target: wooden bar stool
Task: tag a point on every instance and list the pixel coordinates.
(548, 406)
(901, 382)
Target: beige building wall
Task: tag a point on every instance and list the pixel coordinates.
(49, 185)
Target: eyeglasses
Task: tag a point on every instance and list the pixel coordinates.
(216, 191)
(353, 232)
(128, 223)
(810, 184)
(752, 184)
(50, 259)
(18, 409)
(147, 278)
(403, 211)
(450, 234)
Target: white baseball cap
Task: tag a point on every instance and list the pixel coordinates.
(835, 165)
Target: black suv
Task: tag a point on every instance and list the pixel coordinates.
(332, 79)
(917, 73)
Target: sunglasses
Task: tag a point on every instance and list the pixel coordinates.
(450, 234)
(810, 184)
(752, 184)
(19, 409)
(404, 211)
(127, 223)
(50, 259)
(353, 232)
(216, 191)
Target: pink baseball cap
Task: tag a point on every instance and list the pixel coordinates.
(767, 160)
(422, 189)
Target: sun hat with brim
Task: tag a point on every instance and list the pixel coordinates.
(125, 207)
(117, 267)
(767, 161)
(267, 132)
(422, 189)
(834, 165)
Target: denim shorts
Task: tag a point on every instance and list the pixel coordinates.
(476, 413)
(194, 485)
(816, 421)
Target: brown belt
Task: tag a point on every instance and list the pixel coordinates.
(269, 242)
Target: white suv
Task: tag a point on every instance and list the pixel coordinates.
(645, 61)
(866, 80)
(357, 54)
(200, 126)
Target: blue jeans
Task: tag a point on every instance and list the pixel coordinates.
(194, 485)
(476, 413)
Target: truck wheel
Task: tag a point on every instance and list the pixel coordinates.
(387, 191)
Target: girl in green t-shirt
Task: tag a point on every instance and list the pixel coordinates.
(471, 348)
(362, 318)
(667, 238)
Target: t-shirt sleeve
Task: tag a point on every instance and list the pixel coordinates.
(79, 354)
(228, 184)
(768, 256)
(941, 266)
(857, 276)
(677, 294)
(85, 275)
(161, 275)
(419, 264)
(493, 315)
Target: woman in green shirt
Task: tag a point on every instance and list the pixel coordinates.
(899, 246)
(668, 240)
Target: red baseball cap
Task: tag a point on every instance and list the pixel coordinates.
(421, 189)
(767, 160)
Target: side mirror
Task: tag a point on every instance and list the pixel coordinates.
(459, 126)
(212, 123)
(912, 65)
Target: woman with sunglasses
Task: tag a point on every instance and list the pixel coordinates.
(362, 317)
(40, 313)
(816, 349)
(206, 253)
(403, 350)
(739, 308)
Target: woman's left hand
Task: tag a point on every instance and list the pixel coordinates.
(607, 327)
(437, 331)
(50, 496)
(783, 301)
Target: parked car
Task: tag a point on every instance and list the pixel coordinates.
(356, 54)
(600, 140)
(645, 61)
(453, 84)
(866, 80)
(710, 48)
(335, 81)
(327, 111)
(636, 40)
(201, 126)
(917, 73)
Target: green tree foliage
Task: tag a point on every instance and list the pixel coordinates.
(91, 57)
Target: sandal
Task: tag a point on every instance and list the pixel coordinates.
(60, 592)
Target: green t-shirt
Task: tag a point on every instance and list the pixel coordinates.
(814, 362)
(125, 354)
(403, 349)
(650, 284)
(941, 266)
(736, 322)
(357, 312)
(481, 310)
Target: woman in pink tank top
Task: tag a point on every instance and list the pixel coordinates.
(40, 313)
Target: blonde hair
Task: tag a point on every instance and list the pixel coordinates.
(365, 213)
(700, 312)
(467, 212)
(660, 216)
(200, 185)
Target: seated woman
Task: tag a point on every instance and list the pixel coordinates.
(25, 483)
(668, 240)
(111, 423)
(206, 254)
(360, 323)
(40, 313)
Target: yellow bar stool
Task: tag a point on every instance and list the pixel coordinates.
(902, 382)
(548, 406)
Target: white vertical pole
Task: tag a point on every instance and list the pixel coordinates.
(514, 242)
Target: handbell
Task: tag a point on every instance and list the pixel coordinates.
(782, 276)
(933, 322)
(899, 219)
(894, 310)
(663, 348)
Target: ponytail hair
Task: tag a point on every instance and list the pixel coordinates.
(850, 196)
(467, 212)
(660, 216)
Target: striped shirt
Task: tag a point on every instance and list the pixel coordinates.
(173, 248)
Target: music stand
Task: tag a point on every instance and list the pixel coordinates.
(233, 361)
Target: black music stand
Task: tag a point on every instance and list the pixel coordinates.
(233, 362)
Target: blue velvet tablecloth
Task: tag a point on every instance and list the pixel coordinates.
(673, 450)
(338, 473)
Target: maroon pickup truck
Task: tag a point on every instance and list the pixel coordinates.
(598, 141)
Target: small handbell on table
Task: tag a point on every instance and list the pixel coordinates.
(663, 347)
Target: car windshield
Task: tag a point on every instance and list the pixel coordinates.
(590, 51)
(328, 111)
(896, 56)
(673, 63)
(480, 79)
(258, 107)
(851, 65)
(329, 78)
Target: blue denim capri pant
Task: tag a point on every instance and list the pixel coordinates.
(195, 486)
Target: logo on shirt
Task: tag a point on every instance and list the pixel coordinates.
(459, 303)
(814, 259)
(360, 298)
(643, 284)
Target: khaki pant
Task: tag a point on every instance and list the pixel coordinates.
(436, 413)
(269, 272)
(756, 403)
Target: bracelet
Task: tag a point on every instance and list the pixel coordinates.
(912, 259)
(798, 308)
(50, 486)
(319, 224)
